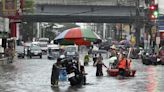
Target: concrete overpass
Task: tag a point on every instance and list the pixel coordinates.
(108, 11)
(83, 13)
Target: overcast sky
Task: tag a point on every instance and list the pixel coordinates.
(161, 6)
(161, 3)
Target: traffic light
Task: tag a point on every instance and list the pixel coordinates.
(156, 12)
(153, 11)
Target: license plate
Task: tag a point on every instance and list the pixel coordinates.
(71, 75)
(35, 53)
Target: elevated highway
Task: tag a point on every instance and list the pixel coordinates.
(83, 13)
(107, 11)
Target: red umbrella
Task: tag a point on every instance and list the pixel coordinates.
(77, 36)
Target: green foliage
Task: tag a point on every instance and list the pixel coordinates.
(50, 35)
(27, 30)
(28, 6)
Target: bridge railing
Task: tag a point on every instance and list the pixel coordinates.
(88, 2)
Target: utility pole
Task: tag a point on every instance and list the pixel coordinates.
(137, 27)
(104, 30)
(38, 30)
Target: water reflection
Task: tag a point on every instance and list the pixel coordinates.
(151, 86)
(34, 76)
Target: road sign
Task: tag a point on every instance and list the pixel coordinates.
(9, 7)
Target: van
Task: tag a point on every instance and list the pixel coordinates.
(53, 51)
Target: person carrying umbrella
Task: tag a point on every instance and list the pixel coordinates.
(94, 59)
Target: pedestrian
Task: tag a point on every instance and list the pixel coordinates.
(100, 56)
(82, 71)
(9, 53)
(113, 51)
(86, 59)
(99, 65)
(94, 58)
(55, 73)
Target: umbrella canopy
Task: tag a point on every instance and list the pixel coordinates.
(77, 36)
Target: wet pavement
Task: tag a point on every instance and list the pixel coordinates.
(33, 75)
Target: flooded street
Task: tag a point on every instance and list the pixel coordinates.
(33, 75)
(73, 31)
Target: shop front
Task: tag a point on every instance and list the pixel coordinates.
(4, 35)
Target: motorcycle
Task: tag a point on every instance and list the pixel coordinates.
(75, 76)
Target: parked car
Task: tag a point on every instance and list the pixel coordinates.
(35, 51)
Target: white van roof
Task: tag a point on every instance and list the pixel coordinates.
(53, 46)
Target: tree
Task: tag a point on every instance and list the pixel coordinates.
(27, 30)
(28, 6)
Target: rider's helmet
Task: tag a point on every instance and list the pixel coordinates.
(124, 54)
(62, 56)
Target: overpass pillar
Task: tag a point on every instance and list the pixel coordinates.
(38, 29)
(104, 30)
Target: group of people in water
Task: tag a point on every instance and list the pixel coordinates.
(122, 63)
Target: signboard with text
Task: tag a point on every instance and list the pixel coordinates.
(9, 7)
(4, 24)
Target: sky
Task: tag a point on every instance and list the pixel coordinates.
(161, 6)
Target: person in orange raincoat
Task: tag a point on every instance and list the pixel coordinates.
(122, 65)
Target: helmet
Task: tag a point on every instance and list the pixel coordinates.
(147, 54)
(62, 56)
(124, 54)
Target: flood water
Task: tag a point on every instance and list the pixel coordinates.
(33, 75)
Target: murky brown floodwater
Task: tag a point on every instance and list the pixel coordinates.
(33, 75)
